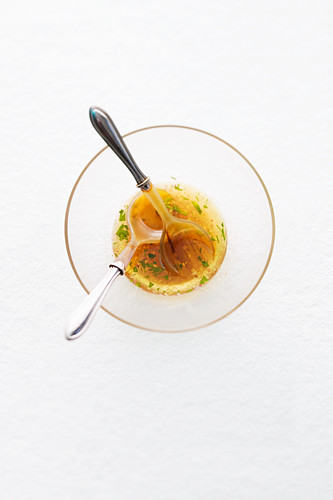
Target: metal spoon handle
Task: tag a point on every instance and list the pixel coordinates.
(85, 313)
(108, 131)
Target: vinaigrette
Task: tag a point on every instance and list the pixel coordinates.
(146, 269)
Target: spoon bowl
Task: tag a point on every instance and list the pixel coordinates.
(181, 245)
(182, 241)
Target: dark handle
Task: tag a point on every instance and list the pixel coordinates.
(108, 131)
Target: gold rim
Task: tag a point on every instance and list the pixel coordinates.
(247, 296)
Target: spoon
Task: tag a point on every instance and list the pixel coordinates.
(181, 240)
(85, 313)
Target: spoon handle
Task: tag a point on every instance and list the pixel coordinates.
(108, 131)
(85, 313)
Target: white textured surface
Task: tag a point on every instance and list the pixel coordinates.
(243, 409)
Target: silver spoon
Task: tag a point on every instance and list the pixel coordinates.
(85, 313)
(177, 234)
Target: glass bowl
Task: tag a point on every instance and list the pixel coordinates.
(196, 158)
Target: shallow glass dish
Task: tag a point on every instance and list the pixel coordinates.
(196, 158)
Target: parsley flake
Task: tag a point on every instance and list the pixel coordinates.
(122, 215)
(222, 230)
(123, 232)
(197, 207)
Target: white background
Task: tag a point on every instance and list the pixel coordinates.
(242, 409)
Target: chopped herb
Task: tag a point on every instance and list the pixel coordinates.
(121, 215)
(177, 209)
(203, 262)
(122, 232)
(185, 198)
(167, 202)
(205, 206)
(221, 229)
(173, 177)
(147, 276)
(151, 255)
(217, 238)
(130, 263)
(212, 237)
(155, 269)
(115, 254)
(197, 198)
(178, 188)
(150, 284)
(166, 277)
(143, 264)
(197, 207)
(190, 290)
(157, 289)
(203, 280)
(138, 284)
(135, 269)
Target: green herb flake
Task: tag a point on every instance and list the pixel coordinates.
(150, 284)
(155, 269)
(174, 178)
(123, 232)
(138, 284)
(178, 188)
(178, 210)
(203, 280)
(135, 269)
(151, 255)
(185, 198)
(167, 203)
(122, 215)
(203, 262)
(222, 230)
(197, 207)
(205, 206)
(166, 277)
(143, 264)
